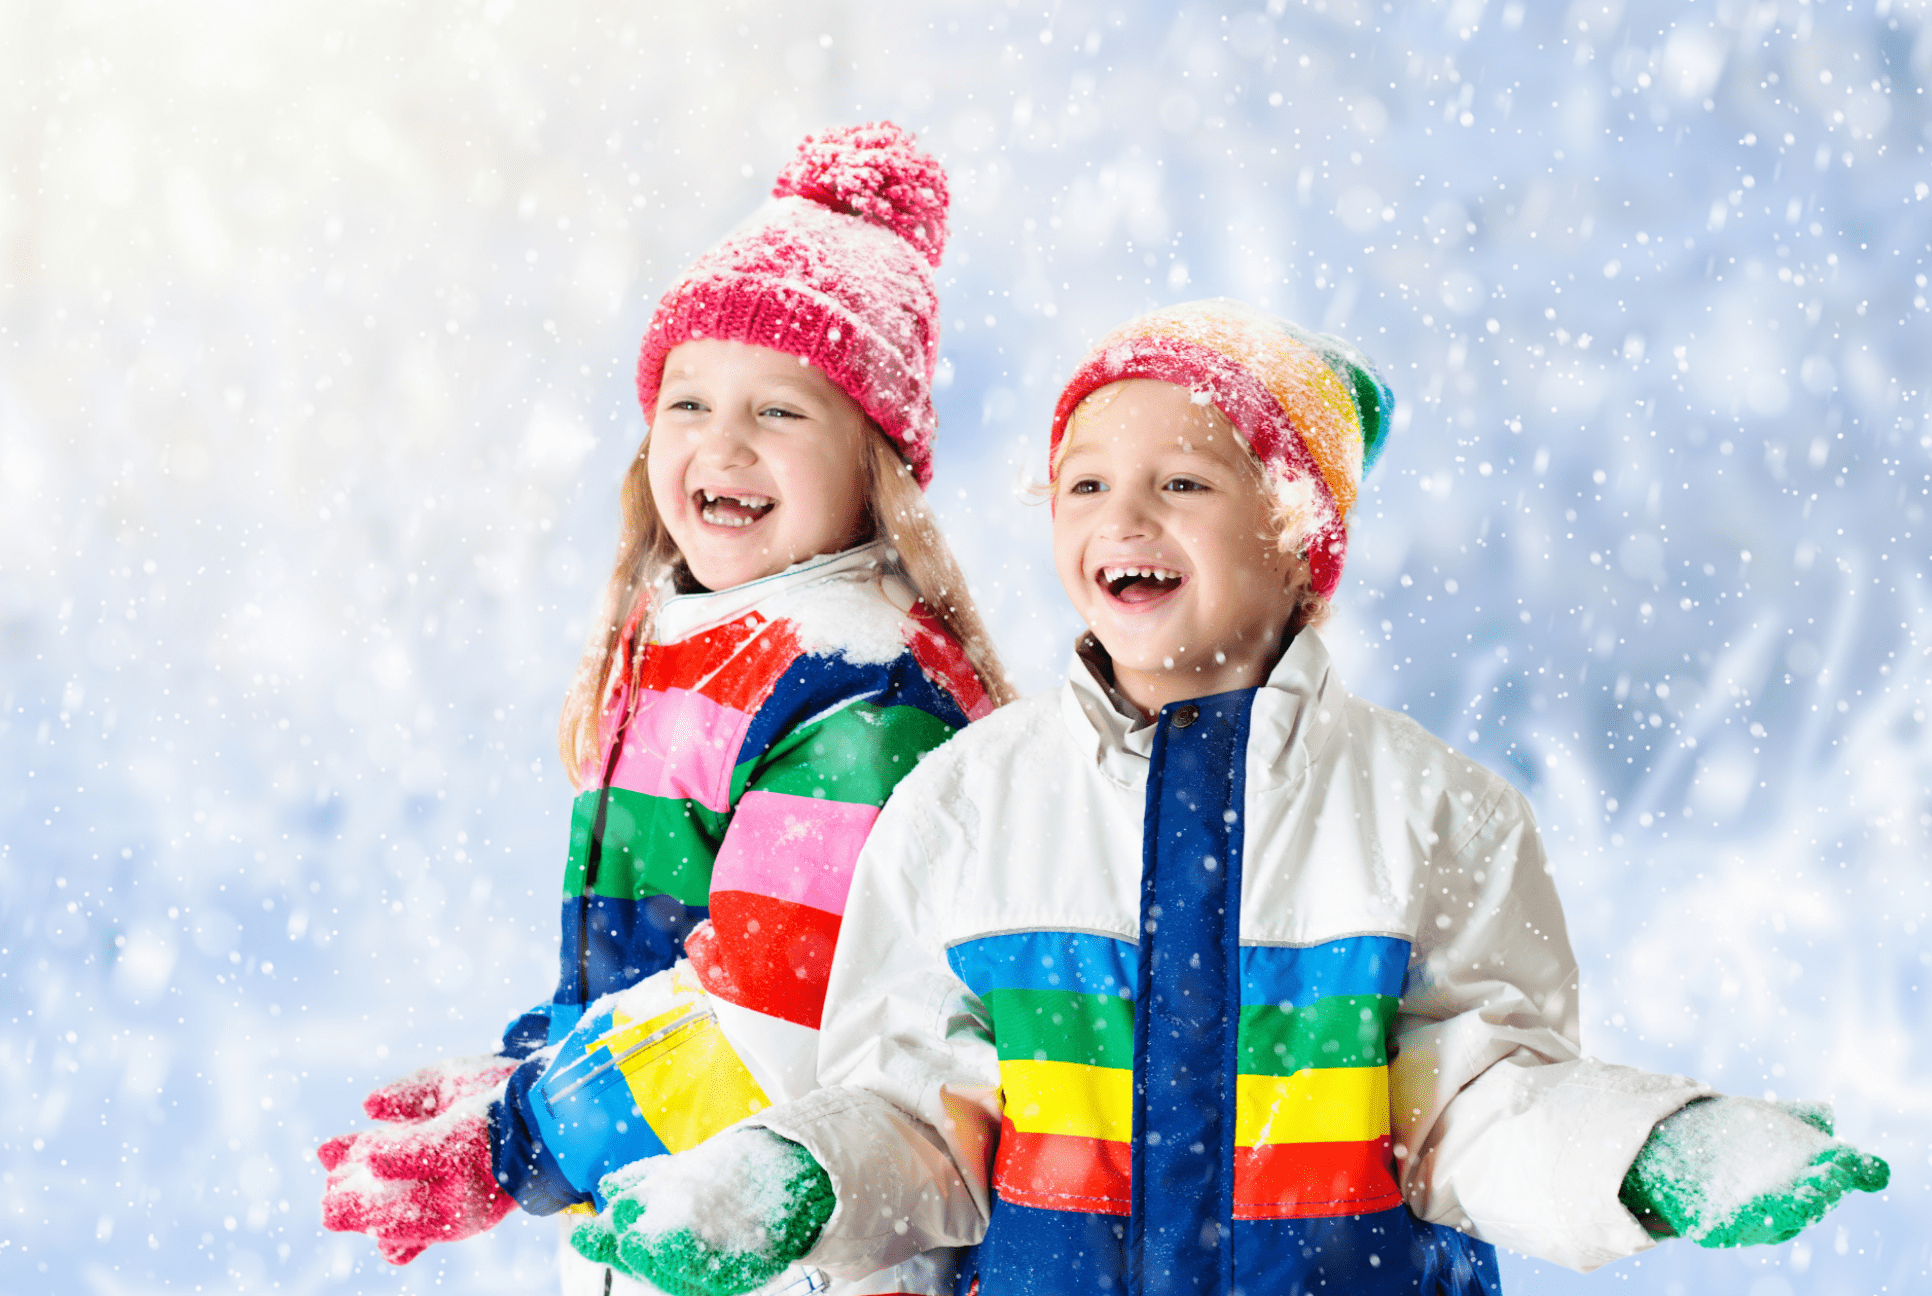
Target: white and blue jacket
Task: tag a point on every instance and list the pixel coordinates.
(1269, 995)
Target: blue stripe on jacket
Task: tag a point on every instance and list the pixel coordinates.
(1359, 965)
(1084, 962)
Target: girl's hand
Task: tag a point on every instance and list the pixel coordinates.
(411, 1184)
(724, 1217)
(1739, 1172)
(428, 1091)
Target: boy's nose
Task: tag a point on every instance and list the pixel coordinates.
(1127, 516)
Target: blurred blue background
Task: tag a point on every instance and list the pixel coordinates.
(316, 332)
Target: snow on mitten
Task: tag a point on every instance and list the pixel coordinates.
(1739, 1172)
(413, 1184)
(719, 1219)
(437, 1087)
(596, 1238)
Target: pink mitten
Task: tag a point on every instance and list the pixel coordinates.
(410, 1185)
(429, 1090)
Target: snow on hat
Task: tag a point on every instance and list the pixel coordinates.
(1309, 406)
(836, 269)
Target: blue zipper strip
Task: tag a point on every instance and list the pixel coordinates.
(1187, 1010)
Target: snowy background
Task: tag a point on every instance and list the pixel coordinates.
(316, 330)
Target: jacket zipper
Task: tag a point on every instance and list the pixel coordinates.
(594, 853)
(693, 1017)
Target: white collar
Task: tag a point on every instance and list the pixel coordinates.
(1296, 710)
(682, 615)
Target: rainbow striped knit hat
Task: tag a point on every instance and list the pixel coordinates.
(1309, 406)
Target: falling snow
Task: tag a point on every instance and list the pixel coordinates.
(316, 349)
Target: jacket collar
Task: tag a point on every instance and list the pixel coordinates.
(680, 616)
(1297, 709)
(1103, 722)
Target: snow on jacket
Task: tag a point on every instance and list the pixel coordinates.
(747, 759)
(1272, 994)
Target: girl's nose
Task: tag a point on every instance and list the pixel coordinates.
(725, 441)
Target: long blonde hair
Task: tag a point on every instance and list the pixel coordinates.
(896, 512)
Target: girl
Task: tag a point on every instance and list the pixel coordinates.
(1201, 974)
(784, 636)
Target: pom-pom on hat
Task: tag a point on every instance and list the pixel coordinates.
(837, 270)
(1309, 406)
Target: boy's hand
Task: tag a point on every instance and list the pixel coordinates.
(409, 1185)
(722, 1218)
(1739, 1172)
(433, 1089)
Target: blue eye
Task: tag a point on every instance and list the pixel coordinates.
(774, 411)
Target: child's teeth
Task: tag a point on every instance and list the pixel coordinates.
(758, 503)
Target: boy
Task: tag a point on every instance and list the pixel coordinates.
(1201, 974)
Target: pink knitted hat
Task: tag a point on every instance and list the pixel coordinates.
(837, 270)
(1310, 406)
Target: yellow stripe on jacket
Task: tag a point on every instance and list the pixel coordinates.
(1325, 1105)
(1069, 1098)
(688, 1085)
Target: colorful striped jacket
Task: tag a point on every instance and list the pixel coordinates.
(746, 760)
(1271, 995)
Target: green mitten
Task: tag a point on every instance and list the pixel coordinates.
(1738, 1172)
(596, 1238)
(722, 1218)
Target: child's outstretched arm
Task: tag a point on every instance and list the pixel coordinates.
(1504, 1129)
(1740, 1172)
(1501, 1127)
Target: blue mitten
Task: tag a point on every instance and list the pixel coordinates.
(723, 1218)
(1739, 1172)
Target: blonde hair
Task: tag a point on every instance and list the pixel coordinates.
(1294, 506)
(896, 512)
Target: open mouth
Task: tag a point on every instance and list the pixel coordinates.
(1139, 584)
(733, 510)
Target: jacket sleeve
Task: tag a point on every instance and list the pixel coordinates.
(824, 752)
(645, 1072)
(1502, 1128)
(907, 1124)
(528, 1033)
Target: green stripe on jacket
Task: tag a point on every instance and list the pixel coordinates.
(856, 754)
(1062, 1026)
(1339, 1031)
(652, 846)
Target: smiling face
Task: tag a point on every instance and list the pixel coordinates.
(755, 460)
(1163, 539)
